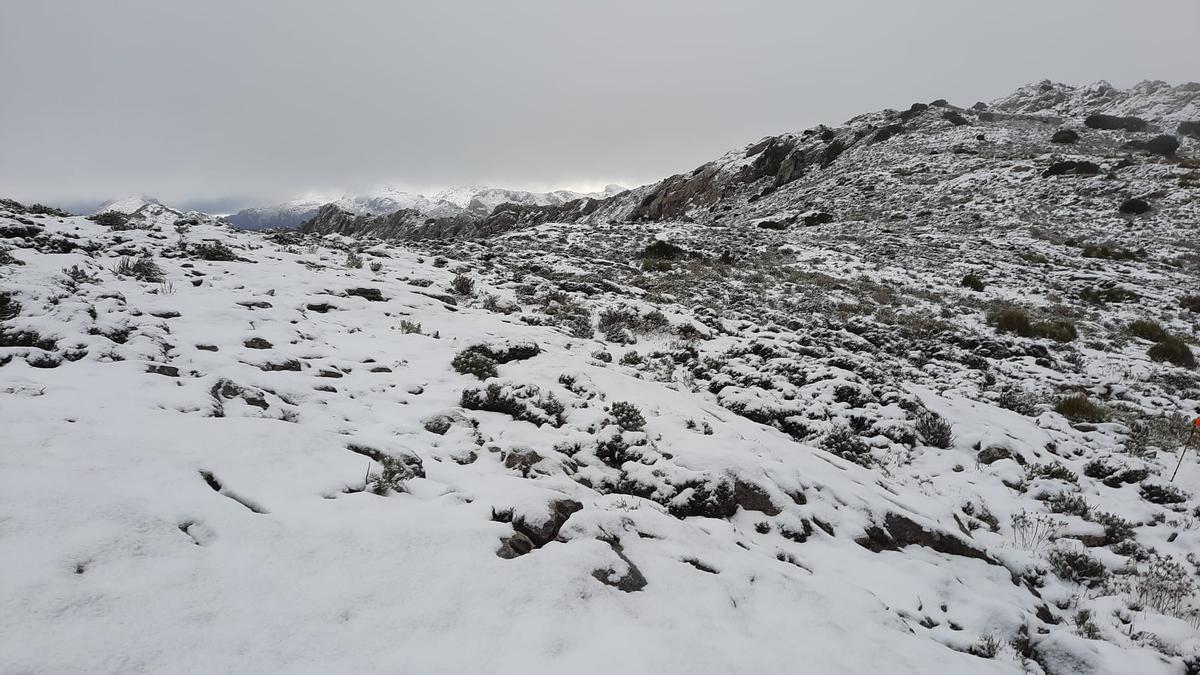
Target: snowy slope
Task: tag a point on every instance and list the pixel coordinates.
(198, 444)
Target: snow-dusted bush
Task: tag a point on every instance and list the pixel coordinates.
(1052, 470)
(462, 284)
(213, 250)
(846, 444)
(1070, 504)
(524, 402)
(1077, 565)
(627, 416)
(1164, 584)
(142, 269)
(354, 260)
(1116, 528)
(111, 219)
(395, 472)
(1172, 350)
(1078, 408)
(470, 362)
(935, 430)
(1147, 330)
(972, 282)
(1032, 531)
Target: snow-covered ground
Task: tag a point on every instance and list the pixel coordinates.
(183, 460)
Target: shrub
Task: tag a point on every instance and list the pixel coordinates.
(1018, 401)
(1078, 408)
(846, 444)
(1103, 296)
(1172, 350)
(75, 276)
(395, 472)
(142, 269)
(1030, 532)
(524, 403)
(1069, 504)
(1162, 493)
(935, 430)
(1052, 470)
(376, 266)
(462, 284)
(627, 416)
(353, 260)
(1164, 585)
(1075, 565)
(1116, 528)
(1190, 302)
(473, 363)
(112, 219)
(973, 282)
(1148, 330)
(663, 250)
(1059, 330)
(631, 358)
(7, 258)
(987, 647)
(213, 250)
(411, 327)
(1014, 320)
(602, 356)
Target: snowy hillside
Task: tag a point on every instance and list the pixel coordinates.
(902, 396)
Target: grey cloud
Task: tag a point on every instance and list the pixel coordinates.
(229, 102)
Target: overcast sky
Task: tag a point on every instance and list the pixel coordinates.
(222, 103)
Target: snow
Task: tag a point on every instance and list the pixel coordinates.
(183, 461)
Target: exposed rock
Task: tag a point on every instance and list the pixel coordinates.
(1164, 145)
(993, 453)
(514, 545)
(1114, 123)
(542, 533)
(1134, 206)
(753, 498)
(1065, 136)
(505, 351)
(372, 294)
(899, 531)
(631, 581)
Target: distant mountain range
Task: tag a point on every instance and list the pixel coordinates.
(475, 201)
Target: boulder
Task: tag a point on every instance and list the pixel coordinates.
(545, 531)
(1134, 206)
(1065, 136)
(1115, 123)
(993, 453)
(1164, 145)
